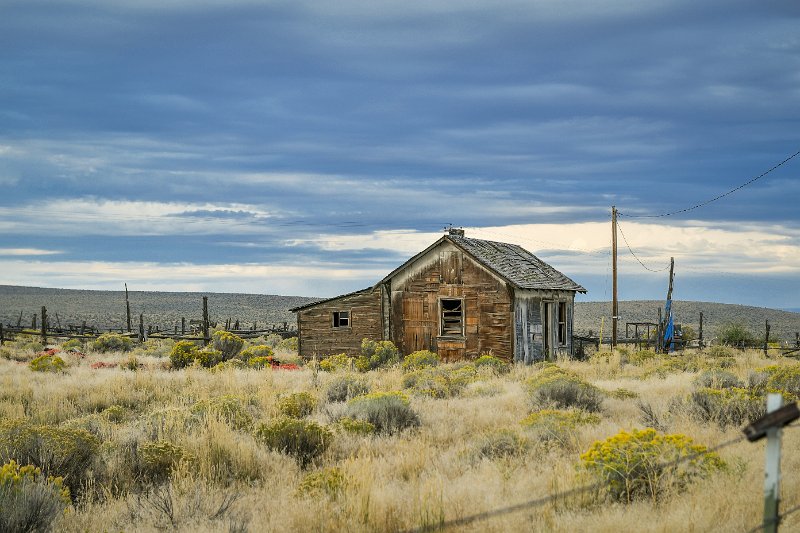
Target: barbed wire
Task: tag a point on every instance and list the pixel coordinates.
(772, 521)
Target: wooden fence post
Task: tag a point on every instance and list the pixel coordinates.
(206, 338)
(183, 325)
(701, 330)
(127, 308)
(19, 320)
(772, 468)
(33, 321)
(141, 327)
(2, 340)
(44, 325)
(766, 338)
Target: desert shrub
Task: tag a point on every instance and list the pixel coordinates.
(29, 345)
(47, 363)
(734, 334)
(62, 452)
(329, 482)
(727, 407)
(442, 381)
(28, 500)
(183, 354)
(555, 387)
(647, 464)
(718, 350)
(258, 362)
(302, 439)
(209, 358)
(72, 344)
(158, 347)
(496, 364)
(114, 413)
(272, 340)
(642, 357)
(717, 379)
(227, 343)
(131, 363)
(782, 378)
(230, 409)
(379, 353)
(297, 404)
(501, 444)
(356, 427)
(623, 394)
(333, 363)
(673, 364)
(552, 425)
(420, 359)
(259, 350)
(112, 342)
(288, 345)
(346, 386)
(230, 364)
(389, 412)
(160, 458)
(289, 359)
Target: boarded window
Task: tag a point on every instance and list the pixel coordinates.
(341, 319)
(562, 323)
(452, 316)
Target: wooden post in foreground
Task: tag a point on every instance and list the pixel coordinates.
(772, 468)
(44, 325)
(206, 338)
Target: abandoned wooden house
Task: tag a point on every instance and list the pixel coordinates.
(460, 297)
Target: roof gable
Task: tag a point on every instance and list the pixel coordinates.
(513, 263)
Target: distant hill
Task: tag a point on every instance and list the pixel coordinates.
(106, 309)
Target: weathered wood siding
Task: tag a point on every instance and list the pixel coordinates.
(319, 337)
(446, 272)
(530, 329)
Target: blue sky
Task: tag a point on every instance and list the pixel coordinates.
(310, 147)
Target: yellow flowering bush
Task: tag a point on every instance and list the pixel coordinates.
(444, 381)
(647, 464)
(227, 343)
(554, 425)
(47, 363)
(29, 501)
(420, 359)
(333, 363)
(160, 458)
(297, 404)
(330, 482)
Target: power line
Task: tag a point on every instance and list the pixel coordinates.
(723, 195)
(551, 497)
(634, 255)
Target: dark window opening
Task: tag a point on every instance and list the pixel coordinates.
(452, 317)
(562, 323)
(341, 319)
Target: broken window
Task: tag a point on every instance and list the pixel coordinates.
(452, 317)
(562, 323)
(341, 319)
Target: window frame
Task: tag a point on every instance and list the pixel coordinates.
(443, 321)
(336, 319)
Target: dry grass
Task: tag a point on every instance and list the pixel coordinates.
(413, 479)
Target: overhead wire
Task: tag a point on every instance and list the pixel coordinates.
(619, 227)
(723, 195)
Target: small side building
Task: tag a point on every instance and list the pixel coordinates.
(460, 297)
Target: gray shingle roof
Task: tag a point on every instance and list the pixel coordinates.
(516, 264)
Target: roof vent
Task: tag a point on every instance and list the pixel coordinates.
(455, 231)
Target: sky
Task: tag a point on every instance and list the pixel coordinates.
(310, 147)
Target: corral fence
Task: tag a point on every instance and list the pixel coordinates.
(197, 329)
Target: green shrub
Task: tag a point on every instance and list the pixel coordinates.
(727, 407)
(782, 378)
(357, 427)
(718, 350)
(444, 381)
(646, 464)
(623, 394)
(297, 404)
(497, 365)
(717, 379)
(227, 343)
(288, 345)
(302, 439)
(329, 482)
(258, 351)
(379, 353)
(160, 458)
(501, 444)
(346, 386)
(259, 362)
(47, 363)
(420, 359)
(231, 364)
(114, 413)
(389, 412)
(183, 354)
(642, 357)
(72, 344)
(230, 409)
(734, 334)
(333, 363)
(158, 347)
(112, 342)
(555, 387)
(28, 500)
(62, 452)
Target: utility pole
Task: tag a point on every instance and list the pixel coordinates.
(614, 302)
